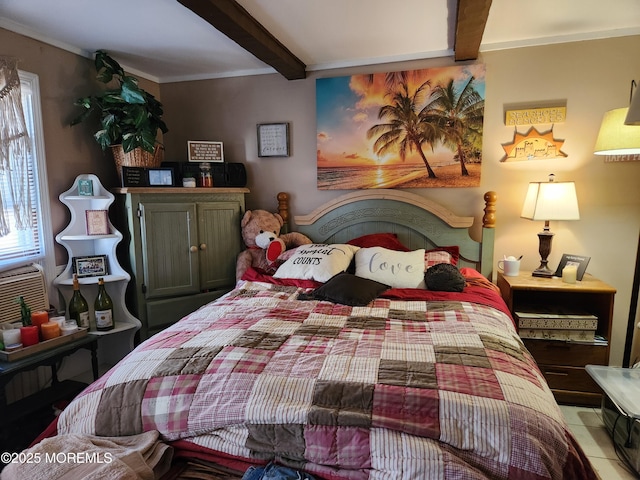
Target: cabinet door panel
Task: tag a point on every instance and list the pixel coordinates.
(219, 233)
(168, 233)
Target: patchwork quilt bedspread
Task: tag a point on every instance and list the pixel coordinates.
(397, 389)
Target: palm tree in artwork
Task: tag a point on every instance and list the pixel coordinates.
(459, 117)
(404, 129)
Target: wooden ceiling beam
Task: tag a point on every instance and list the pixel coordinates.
(470, 22)
(230, 18)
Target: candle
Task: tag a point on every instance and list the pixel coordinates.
(49, 330)
(69, 328)
(59, 320)
(29, 335)
(39, 317)
(569, 274)
(11, 336)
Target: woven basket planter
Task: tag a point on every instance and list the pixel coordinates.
(136, 158)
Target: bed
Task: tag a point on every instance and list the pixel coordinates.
(407, 382)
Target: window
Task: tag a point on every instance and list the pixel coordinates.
(33, 244)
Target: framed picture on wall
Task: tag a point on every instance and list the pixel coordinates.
(273, 140)
(205, 151)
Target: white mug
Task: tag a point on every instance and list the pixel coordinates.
(511, 268)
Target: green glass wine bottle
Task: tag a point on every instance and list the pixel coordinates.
(78, 306)
(103, 308)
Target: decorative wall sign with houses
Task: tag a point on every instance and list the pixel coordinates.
(533, 145)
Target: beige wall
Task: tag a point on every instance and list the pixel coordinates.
(591, 77)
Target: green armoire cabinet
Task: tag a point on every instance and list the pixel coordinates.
(180, 247)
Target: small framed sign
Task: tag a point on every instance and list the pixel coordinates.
(160, 177)
(273, 140)
(134, 177)
(578, 261)
(85, 188)
(205, 151)
(90, 266)
(97, 222)
(147, 177)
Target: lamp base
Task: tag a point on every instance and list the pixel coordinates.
(545, 238)
(542, 272)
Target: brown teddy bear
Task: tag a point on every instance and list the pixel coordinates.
(261, 235)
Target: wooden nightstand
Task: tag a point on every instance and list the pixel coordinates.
(562, 362)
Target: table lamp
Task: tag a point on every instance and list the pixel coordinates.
(549, 201)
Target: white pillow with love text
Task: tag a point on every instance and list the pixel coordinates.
(397, 269)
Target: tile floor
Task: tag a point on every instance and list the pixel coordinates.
(588, 428)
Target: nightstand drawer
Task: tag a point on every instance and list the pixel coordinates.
(569, 378)
(548, 352)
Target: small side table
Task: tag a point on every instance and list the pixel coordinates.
(50, 357)
(563, 362)
(622, 386)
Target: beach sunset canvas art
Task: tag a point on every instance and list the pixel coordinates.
(409, 129)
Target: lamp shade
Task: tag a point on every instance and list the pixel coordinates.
(551, 201)
(616, 138)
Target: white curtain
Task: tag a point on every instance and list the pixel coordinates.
(14, 149)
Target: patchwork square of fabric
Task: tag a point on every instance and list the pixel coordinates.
(492, 343)
(119, 411)
(182, 361)
(332, 445)
(469, 356)
(291, 363)
(341, 403)
(407, 374)
(265, 440)
(240, 360)
(415, 316)
(261, 340)
(309, 330)
(276, 326)
(411, 410)
(481, 382)
(366, 323)
(281, 400)
(166, 404)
